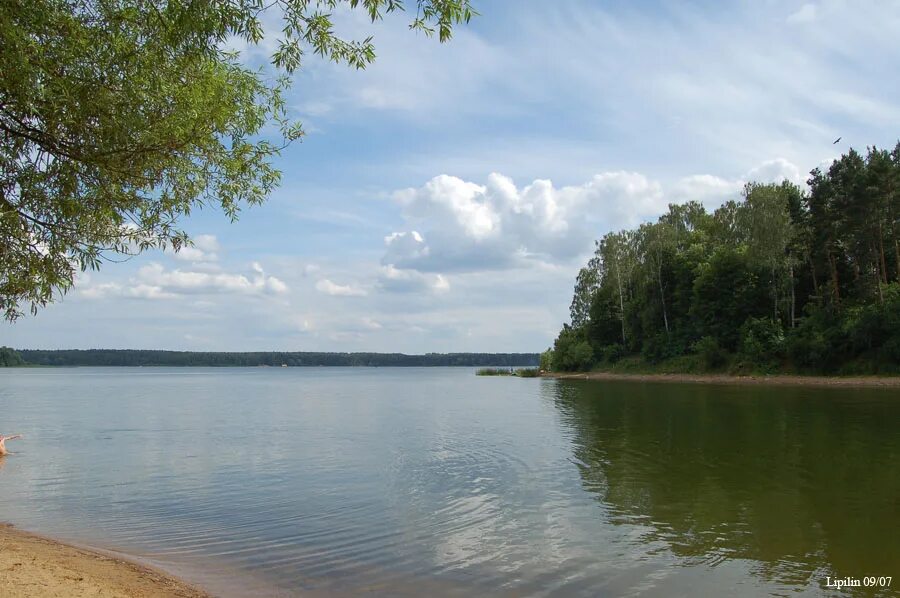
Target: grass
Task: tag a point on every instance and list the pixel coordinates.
(520, 373)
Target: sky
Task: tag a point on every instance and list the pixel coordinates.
(445, 198)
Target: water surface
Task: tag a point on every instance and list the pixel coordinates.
(434, 481)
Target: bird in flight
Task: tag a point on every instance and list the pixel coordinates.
(836, 140)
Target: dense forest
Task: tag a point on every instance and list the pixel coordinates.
(785, 279)
(107, 357)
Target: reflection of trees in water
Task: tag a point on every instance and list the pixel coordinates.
(805, 483)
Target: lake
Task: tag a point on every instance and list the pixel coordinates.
(432, 481)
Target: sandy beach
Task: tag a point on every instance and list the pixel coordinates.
(779, 380)
(35, 566)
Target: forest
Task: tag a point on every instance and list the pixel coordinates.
(785, 279)
(137, 357)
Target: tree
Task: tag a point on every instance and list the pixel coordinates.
(119, 117)
(586, 283)
(733, 282)
(571, 350)
(656, 241)
(603, 329)
(770, 234)
(617, 252)
(726, 293)
(10, 358)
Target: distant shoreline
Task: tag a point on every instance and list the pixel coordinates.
(725, 379)
(162, 358)
(31, 560)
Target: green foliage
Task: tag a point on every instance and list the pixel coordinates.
(572, 351)
(816, 344)
(726, 293)
(519, 372)
(10, 358)
(546, 363)
(604, 326)
(781, 278)
(659, 347)
(610, 353)
(762, 342)
(712, 354)
(586, 283)
(494, 372)
(120, 118)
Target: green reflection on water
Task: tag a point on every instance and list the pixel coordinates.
(803, 483)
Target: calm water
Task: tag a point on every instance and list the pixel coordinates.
(438, 482)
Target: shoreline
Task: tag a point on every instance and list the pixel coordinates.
(726, 379)
(36, 565)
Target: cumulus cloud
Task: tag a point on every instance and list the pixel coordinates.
(776, 171)
(204, 249)
(396, 280)
(458, 225)
(154, 281)
(186, 281)
(709, 190)
(406, 245)
(338, 290)
(467, 226)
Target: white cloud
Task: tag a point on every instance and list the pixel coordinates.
(709, 190)
(805, 14)
(468, 226)
(330, 288)
(133, 291)
(146, 291)
(153, 281)
(192, 254)
(100, 291)
(471, 227)
(776, 171)
(207, 243)
(440, 284)
(402, 246)
(370, 324)
(204, 249)
(186, 281)
(396, 280)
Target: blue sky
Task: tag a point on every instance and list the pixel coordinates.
(445, 198)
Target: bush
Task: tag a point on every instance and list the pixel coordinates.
(713, 355)
(494, 372)
(807, 348)
(660, 347)
(820, 343)
(579, 357)
(547, 360)
(762, 342)
(610, 353)
(572, 351)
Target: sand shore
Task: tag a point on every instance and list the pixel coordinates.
(778, 380)
(31, 565)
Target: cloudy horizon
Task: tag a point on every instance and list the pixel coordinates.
(444, 199)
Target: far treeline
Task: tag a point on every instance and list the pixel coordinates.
(108, 357)
(785, 279)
